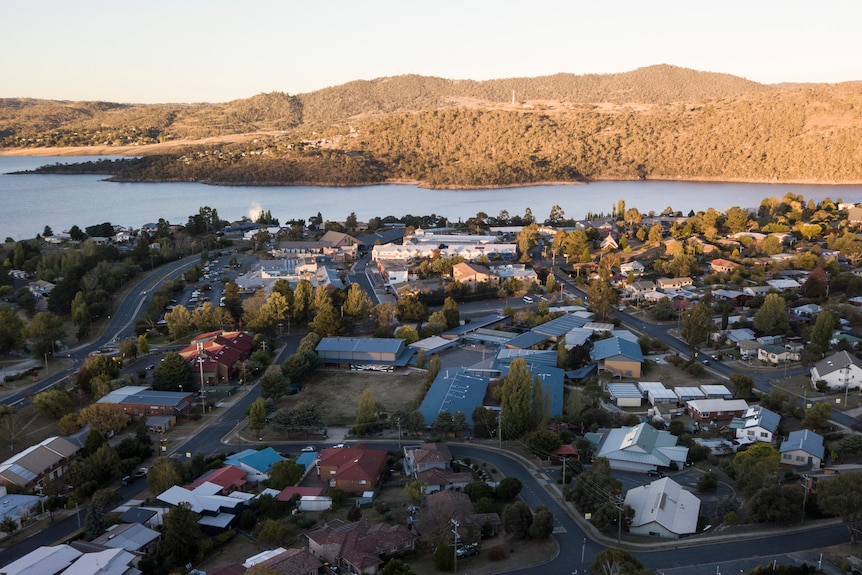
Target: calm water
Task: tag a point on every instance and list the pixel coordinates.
(29, 203)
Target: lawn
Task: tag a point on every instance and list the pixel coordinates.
(336, 392)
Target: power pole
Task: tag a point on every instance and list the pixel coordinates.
(500, 428)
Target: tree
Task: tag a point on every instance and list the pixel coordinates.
(781, 504)
(104, 416)
(517, 519)
(821, 333)
(163, 475)
(327, 322)
(81, 315)
(527, 239)
(183, 540)
(45, 329)
(8, 525)
(616, 562)
(841, 497)
(444, 557)
(515, 394)
(303, 295)
(284, 474)
(11, 329)
(411, 309)
(756, 467)
(508, 488)
(143, 344)
(451, 313)
(274, 384)
(54, 403)
(416, 490)
(543, 441)
(358, 304)
(397, 567)
(257, 413)
(408, 333)
(771, 318)
(367, 416)
(696, 324)
(602, 297)
(817, 418)
(179, 322)
(171, 373)
(743, 385)
(816, 284)
(543, 523)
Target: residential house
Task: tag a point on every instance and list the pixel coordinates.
(426, 456)
(776, 354)
(45, 560)
(354, 470)
(756, 424)
(619, 356)
(230, 477)
(721, 266)
(285, 562)
(256, 464)
(641, 448)
(674, 283)
(132, 537)
(48, 459)
(633, 267)
(216, 512)
(716, 410)
(781, 284)
(840, 371)
(471, 275)
(439, 479)
(663, 509)
(18, 508)
(609, 243)
(359, 547)
(220, 352)
(803, 449)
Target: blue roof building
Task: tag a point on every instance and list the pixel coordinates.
(256, 464)
(803, 449)
(619, 356)
(453, 390)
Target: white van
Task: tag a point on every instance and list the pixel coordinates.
(528, 299)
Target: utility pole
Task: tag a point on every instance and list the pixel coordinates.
(201, 363)
(500, 428)
(399, 435)
(804, 495)
(456, 537)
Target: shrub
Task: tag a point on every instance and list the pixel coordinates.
(497, 553)
(731, 518)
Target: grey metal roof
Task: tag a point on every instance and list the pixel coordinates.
(527, 340)
(560, 326)
(360, 344)
(624, 390)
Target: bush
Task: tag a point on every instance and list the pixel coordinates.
(497, 553)
(731, 518)
(708, 481)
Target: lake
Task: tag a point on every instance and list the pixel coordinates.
(29, 203)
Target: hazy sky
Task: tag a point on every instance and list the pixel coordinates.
(216, 51)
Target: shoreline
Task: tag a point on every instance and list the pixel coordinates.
(156, 149)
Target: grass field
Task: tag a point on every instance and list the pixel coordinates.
(336, 393)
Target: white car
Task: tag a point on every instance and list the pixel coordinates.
(308, 449)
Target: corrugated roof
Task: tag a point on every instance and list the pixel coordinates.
(453, 390)
(527, 340)
(614, 346)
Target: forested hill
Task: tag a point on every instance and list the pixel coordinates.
(655, 122)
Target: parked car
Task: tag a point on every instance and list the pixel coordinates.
(655, 473)
(308, 449)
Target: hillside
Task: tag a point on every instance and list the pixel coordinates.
(655, 122)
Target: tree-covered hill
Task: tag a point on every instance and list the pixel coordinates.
(655, 122)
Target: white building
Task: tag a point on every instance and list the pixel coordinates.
(840, 371)
(663, 509)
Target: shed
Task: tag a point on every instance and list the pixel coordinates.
(625, 394)
(716, 392)
(685, 394)
(656, 393)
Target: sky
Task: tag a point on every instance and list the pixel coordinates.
(184, 51)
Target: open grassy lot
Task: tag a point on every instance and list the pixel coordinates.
(336, 392)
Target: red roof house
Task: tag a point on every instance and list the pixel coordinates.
(352, 469)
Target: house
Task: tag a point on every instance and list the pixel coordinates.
(46, 460)
(17, 507)
(471, 275)
(712, 410)
(440, 479)
(361, 548)
(840, 371)
(663, 509)
(426, 456)
(721, 266)
(353, 469)
(673, 283)
(132, 537)
(756, 424)
(231, 478)
(803, 449)
(776, 354)
(256, 464)
(633, 267)
(609, 243)
(781, 284)
(107, 562)
(641, 448)
(217, 512)
(221, 354)
(46, 560)
(619, 356)
(285, 562)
